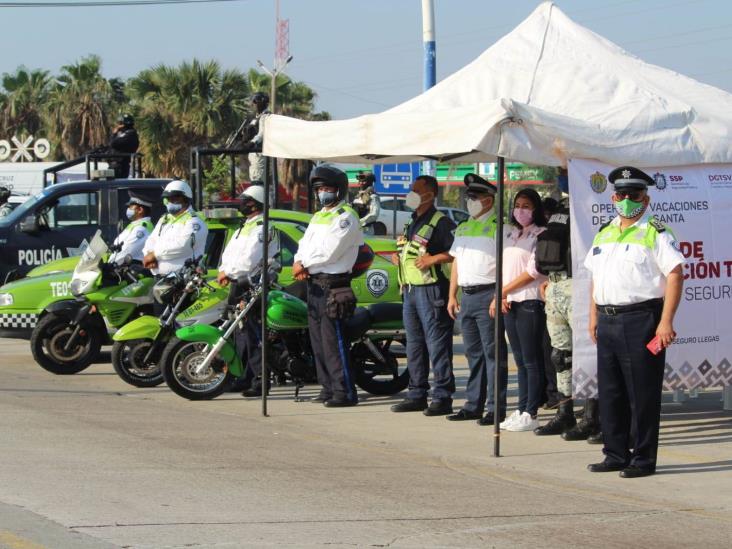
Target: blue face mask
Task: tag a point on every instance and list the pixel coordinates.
(130, 213)
(326, 198)
(173, 208)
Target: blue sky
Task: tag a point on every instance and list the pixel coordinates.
(360, 56)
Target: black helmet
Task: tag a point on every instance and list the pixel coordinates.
(126, 120)
(260, 97)
(366, 179)
(4, 194)
(326, 175)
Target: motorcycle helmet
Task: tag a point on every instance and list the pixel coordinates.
(178, 188)
(260, 98)
(126, 120)
(326, 175)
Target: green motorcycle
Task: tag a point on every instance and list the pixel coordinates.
(201, 361)
(69, 336)
(188, 298)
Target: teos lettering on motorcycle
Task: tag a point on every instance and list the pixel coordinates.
(60, 289)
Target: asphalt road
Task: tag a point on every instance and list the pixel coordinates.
(88, 461)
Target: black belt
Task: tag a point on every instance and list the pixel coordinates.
(612, 310)
(477, 288)
(326, 281)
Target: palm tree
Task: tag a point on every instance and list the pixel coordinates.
(177, 108)
(81, 108)
(21, 106)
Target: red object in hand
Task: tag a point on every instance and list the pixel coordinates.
(655, 345)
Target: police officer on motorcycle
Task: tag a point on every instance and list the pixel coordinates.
(242, 257)
(367, 202)
(179, 235)
(132, 239)
(325, 258)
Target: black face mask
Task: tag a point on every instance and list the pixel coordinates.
(248, 207)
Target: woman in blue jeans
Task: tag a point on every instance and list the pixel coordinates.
(523, 307)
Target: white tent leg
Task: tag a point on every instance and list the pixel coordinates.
(680, 395)
(727, 397)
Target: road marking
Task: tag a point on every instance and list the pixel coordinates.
(11, 541)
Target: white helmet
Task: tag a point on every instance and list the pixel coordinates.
(178, 188)
(255, 192)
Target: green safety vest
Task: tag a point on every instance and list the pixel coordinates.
(641, 236)
(409, 274)
(474, 228)
(326, 217)
(144, 223)
(249, 226)
(171, 219)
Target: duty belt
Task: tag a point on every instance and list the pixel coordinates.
(326, 281)
(556, 276)
(612, 310)
(477, 288)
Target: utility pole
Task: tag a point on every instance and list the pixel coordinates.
(430, 60)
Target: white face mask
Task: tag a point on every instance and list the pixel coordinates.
(474, 207)
(413, 200)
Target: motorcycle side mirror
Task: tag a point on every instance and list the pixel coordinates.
(128, 260)
(29, 225)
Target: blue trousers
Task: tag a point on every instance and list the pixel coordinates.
(429, 339)
(525, 326)
(478, 337)
(630, 383)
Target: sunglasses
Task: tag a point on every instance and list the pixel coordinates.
(633, 195)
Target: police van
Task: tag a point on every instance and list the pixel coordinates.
(58, 221)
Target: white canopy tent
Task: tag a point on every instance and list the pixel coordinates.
(547, 91)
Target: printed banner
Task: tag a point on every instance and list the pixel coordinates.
(695, 202)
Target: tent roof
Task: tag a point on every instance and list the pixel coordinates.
(547, 91)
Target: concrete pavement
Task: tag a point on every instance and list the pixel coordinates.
(88, 461)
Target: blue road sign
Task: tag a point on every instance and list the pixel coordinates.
(395, 178)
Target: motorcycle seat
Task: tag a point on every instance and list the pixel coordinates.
(358, 324)
(385, 312)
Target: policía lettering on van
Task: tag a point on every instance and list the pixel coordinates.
(39, 257)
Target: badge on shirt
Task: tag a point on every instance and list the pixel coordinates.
(196, 227)
(345, 222)
(596, 250)
(676, 245)
(140, 234)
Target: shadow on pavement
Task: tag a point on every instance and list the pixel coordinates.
(708, 467)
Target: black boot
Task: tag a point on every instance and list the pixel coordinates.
(562, 421)
(589, 425)
(595, 438)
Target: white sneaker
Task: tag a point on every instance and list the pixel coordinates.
(510, 420)
(524, 423)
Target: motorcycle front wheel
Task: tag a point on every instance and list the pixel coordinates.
(48, 342)
(179, 364)
(128, 361)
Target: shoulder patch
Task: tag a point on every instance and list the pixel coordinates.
(196, 227)
(656, 224)
(140, 234)
(345, 222)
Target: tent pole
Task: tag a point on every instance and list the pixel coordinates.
(268, 179)
(499, 315)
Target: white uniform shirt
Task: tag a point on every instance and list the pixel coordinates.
(474, 250)
(331, 241)
(175, 240)
(519, 249)
(631, 266)
(132, 239)
(244, 251)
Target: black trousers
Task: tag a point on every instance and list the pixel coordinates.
(330, 348)
(630, 381)
(248, 345)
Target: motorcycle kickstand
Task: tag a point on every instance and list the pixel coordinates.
(299, 385)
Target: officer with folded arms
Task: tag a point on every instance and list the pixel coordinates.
(179, 235)
(242, 257)
(636, 288)
(325, 258)
(474, 274)
(132, 239)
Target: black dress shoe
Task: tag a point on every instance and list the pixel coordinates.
(439, 408)
(595, 438)
(321, 398)
(633, 471)
(410, 405)
(252, 392)
(339, 403)
(489, 419)
(605, 467)
(464, 415)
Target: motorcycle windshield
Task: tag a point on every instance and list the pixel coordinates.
(88, 269)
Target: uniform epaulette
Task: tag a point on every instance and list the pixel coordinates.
(260, 222)
(341, 210)
(604, 225)
(656, 224)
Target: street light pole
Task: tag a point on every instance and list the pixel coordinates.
(273, 74)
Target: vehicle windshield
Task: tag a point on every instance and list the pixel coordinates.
(92, 254)
(21, 211)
